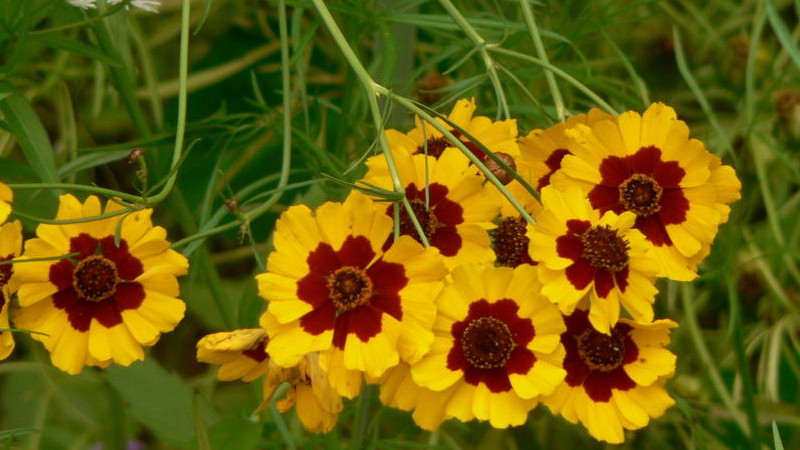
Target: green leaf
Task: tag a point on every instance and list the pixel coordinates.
(235, 433)
(159, 400)
(62, 42)
(776, 435)
(29, 131)
(783, 33)
(17, 432)
(91, 160)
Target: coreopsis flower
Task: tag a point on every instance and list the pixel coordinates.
(496, 348)
(648, 165)
(509, 239)
(333, 288)
(10, 248)
(241, 354)
(582, 251)
(453, 206)
(614, 381)
(114, 293)
(6, 197)
(500, 137)
(543, 150)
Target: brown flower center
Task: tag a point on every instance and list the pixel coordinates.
(510, 242)
(436, 146)
(601, 352)
(426, 218)
(349, 287)
(641, 194)
(604, 248)
(487, 343)
(95, 278)
(502, 175)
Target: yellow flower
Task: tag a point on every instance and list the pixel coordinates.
(451, 202)
(647, 164)
(116, 294)
(10, 248)
(498, 137)
(581, 251)
(241, 354)
(6, 197)
(496, 348)
(614, 381)
(333, 289)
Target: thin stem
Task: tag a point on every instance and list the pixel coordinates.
(80, 188)
(561, 74)
(527, 13)
(48, 258)
(40, 220)
(372, 89)
(481, 45)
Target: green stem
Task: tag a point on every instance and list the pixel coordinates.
(372, 89)
(527, 13)
(48, 258)
(561, 74)
(80, 188)
(482, 46)
(737, 335)
(40, 220)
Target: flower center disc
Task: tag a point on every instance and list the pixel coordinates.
(604, 248)
(349, 288)
(601, 352)
(510, 242)
(95, 278)
(641, 194)
(436, 146)
(487, 343)
(426, 218)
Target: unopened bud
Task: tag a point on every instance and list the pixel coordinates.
(503, 175)
(136, 155)
(232, 204)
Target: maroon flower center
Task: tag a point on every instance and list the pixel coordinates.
(487, 343)
(601, 352)
(641, 194)
(95, 278)
(5, 271)
(349, 287)
(502, 174)
(425, 216)
(604, 249)
(510, 242)
(436, 146)
(258, 352)
(553, 163)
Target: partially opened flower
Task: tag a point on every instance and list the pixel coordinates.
(648, 165)
(452, 204)
(496, 348)
(614, 381)
(581, 251)
(114, 293)
(241, 354)
(333, 289)
(497, 136)
(10, 248)
(6, 197)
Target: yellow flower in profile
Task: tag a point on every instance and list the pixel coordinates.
(498, 136)
(116, 293)
(614, 381)
(496, 350)
(648, 165)
(10, 248)
(581, 251)
(6, 197)
(451, 202)
(333, 288)
(241, 354)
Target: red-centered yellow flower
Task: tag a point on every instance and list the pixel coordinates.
(6, 197)
(333, 289)
(240, 354)
(496, 348)
(647, 164)
(614, 381)
(451, 202)
(498, 137)
(543, 150)
(10, 248)
(115, 294)
(581, 251)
